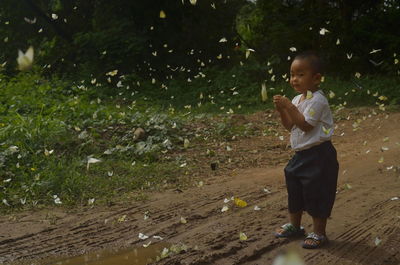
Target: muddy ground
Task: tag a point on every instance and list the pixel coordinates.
(364, 227)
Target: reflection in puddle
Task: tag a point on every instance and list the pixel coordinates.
(137, 256)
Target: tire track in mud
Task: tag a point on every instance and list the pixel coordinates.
(356, 245)
(94, 234)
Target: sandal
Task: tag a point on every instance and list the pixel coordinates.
(289, 230)
(317, 241)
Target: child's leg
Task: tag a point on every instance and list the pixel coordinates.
(295, 218)
(292, 229)
(319, 225)
(316, 239)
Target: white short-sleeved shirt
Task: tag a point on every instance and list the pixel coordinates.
(318, 114)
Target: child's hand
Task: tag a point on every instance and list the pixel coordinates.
(276, 99)
(281, 102)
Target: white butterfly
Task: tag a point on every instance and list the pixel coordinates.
(248, 52)
(30, 21)
(25, 60)
(92, 160)
(264, 95)
(349, 55)
(323, 31)
(375, 63)
(375, 51)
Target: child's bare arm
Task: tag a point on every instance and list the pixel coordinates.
(285, 119)
(298, 118)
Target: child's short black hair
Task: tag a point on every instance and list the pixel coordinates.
(314, 59)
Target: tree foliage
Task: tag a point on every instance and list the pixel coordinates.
(91, 37)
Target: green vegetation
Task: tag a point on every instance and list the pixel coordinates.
(51, 129)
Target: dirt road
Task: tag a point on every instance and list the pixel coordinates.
(364, 227)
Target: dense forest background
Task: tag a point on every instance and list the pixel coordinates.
(165, 39)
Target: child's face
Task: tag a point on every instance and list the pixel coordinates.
(302, 76)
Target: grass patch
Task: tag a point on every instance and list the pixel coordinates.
(51, 130)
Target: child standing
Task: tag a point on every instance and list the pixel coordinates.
(311, 174)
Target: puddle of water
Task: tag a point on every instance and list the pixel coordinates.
(136, 256)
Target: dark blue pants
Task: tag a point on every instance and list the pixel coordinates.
(311, 179)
